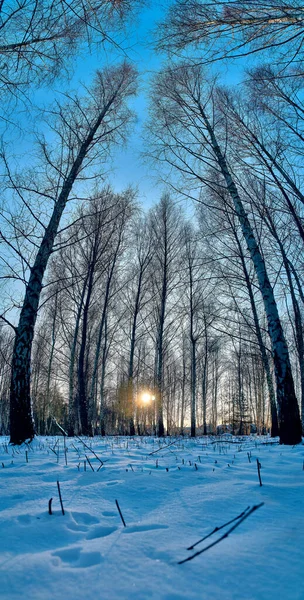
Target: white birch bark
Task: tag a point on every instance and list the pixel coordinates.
(289, 417)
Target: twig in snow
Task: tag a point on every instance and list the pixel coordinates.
(120, 513)
(52, 449)
(252, 510)
(88, 447)
(162, 448)
(259, 471)
(60, 498)
(50, 506)
(219, 528)
(76, 450)
(89, 462)
(65, 451)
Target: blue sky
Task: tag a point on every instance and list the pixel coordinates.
(137, 47)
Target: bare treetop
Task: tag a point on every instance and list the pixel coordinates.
(39, 36)
(233, 29)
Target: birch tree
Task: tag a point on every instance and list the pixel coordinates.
(166, 244)
(184, 100)
(276, 149)
(85, 129)
(135, 298)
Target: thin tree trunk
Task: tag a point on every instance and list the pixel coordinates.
(193, 388)
(290, 424)
(82, 395)
(73, 418)
(192, 342)
(103, 317)
(160, 356)
(204, 380)
(296, 309)
(183, 391)
(102, 379)
(46, 402)
(264, 357)
(21, 417)
(132, 353)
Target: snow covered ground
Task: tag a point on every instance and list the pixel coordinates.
(169, 497)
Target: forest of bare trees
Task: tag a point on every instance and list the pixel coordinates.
(184, 317)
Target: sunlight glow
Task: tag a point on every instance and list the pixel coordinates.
(146, 397)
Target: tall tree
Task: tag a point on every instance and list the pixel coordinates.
(183, 100)
(166, 243)
(236, 235)
(135, 300)
(98, 118)
(195, 309)
(124, 206)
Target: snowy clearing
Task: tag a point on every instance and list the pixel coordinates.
(170, 497)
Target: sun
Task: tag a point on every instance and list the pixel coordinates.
(146, 397)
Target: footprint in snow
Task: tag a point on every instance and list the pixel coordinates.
(100, 532)
(168, 557)
(109, 513)
(24, 519)
(75, 558)
(113, 483)
(80, 522)
(82, 518)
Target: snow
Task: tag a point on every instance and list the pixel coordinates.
(167, 503)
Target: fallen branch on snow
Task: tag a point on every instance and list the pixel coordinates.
(219, 528)
(162, 448)
(247, 514)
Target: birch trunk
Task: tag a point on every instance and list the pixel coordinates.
(193, 387)
(193, 352)
(264, 357)
(73, 400)
(102, 379)
(132, 353)
(160, 357)
(205, 379)
(82, 395)
(46, 401)
(182, 417)
(101, 328)
(21, 417)
(289, 416)
(298, 323)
